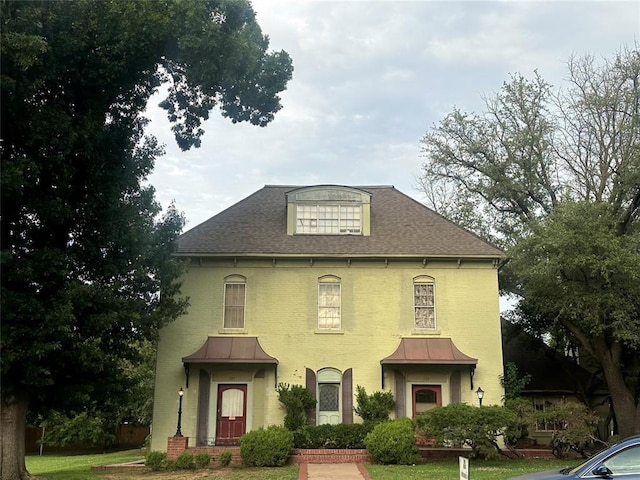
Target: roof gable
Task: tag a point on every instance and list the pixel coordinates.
(400, 226)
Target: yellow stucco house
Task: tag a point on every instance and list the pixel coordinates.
(328, 287)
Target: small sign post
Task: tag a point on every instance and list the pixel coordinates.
(464, 468)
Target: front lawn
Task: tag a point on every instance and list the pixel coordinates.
(478, 469)
(78, 467)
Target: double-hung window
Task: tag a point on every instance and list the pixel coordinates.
(328, 210)
(329, 304)
(424, 303)
(329, 219)
(543, 424)
(234, 304)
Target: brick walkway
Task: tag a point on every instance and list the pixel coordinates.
(333, 471)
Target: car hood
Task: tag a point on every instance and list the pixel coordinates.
(546, 475)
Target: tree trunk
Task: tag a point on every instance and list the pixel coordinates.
(13, 417)
(625, 407)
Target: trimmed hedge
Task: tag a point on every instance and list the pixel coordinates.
(268, 447)
(462, 424)
(185, 461)
(155, 460)
(393, 442)
(202, 460)
(332, 436)
(225, 458)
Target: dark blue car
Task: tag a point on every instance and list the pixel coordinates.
(619, 462)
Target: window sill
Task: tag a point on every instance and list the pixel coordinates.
(425, 331)
(232, 331)
(328, 332)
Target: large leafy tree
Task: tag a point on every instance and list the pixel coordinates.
(84, 250)
(556, 175)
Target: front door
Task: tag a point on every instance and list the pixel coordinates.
(231, 421)
(426, 397)
(329, 403)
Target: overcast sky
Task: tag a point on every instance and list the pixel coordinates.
(370, 79)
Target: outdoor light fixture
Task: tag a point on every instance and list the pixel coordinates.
(179, 429)
(480, 394)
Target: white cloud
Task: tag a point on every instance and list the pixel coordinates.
(370, 78)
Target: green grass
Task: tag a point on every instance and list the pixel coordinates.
(478, 469)
(290, 472)
(76, 467)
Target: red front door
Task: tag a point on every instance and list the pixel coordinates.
(231, 421)
(425, 397)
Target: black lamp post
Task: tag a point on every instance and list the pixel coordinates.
(480, 394)
(179, 429)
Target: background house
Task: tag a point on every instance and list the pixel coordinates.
(555, 377)
(328, 287)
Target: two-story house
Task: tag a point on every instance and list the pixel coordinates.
(328, 287)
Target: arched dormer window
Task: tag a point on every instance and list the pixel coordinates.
(328, 210)
(424, 302)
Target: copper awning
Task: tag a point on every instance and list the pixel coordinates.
(230, 350)
(428, 351)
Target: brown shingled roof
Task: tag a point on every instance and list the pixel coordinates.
(438, 351)
(230, 350)
(400, 226)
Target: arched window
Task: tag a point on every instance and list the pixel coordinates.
(329, 303)
(424, 302)
(234, 301)
(328, 210)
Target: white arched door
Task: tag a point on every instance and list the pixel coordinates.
(329, 388)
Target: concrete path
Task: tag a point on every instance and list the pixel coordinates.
(333, 471)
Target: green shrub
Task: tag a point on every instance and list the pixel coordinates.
(298, 402)
(374, 408)
(225, 458)
(90, 429)
(269, 447)
(313, 436)
(525, 420)
(350, 436)
(574, 424)
(512, 382)
(169, 464)
(461, 424)
(185, 461)
(393, 442)
(331, 436)
(155, 460)
(202, 460)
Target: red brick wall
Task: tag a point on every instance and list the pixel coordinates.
(175, 446)
(330, 455)
(214, 453)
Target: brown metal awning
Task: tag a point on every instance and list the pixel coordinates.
(428, 351)
(230, 350)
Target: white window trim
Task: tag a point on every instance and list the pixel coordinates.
(424, 280)
(323, 281)
(234, 280)
(340, 219)
(545, 403)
